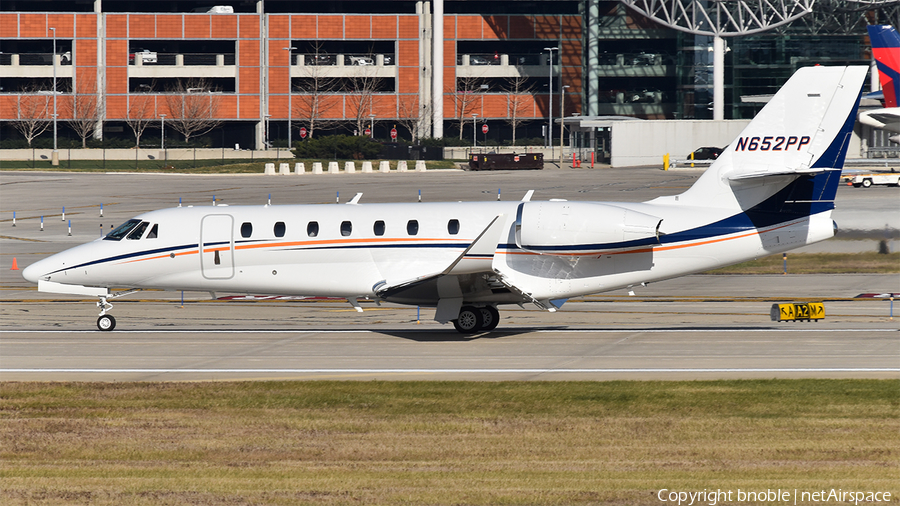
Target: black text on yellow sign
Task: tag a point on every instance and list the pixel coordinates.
(797, 311)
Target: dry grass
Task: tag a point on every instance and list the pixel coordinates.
(819, 263)
(440, 443)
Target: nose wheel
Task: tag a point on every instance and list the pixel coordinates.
(106, 322)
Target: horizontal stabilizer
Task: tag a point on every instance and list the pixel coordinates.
(769, 173)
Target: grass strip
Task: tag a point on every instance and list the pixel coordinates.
(441, 442)
(819, 263)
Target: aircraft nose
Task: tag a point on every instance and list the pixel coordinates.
(34, 271)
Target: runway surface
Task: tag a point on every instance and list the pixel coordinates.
(696, 327)
(724, 333)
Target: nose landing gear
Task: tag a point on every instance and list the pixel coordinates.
(106, 322)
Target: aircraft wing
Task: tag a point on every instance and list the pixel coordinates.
(475, 259)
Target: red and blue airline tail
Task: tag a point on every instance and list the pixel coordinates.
(886, 52)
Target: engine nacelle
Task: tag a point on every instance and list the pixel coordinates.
(566, 228)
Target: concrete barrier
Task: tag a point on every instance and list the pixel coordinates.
(284, 168)
(420, 166)
(401, 166)
(384, 166)
(333, 168)
(350, 167)
(270, 169)
(367, 167)
(299, 168)
(317, 167)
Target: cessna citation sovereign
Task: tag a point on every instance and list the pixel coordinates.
(770, 191)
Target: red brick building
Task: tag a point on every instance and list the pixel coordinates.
(324, 71)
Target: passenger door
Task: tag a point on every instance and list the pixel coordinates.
(217, 246)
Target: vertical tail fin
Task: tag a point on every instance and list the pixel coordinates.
(886, 53)
(803, 132)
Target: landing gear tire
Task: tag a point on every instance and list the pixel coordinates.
(469, 321)
(106, 323)
(490, 317)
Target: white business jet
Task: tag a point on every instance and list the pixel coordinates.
(770, 191)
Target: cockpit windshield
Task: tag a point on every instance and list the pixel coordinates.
(138, 231)
(122, 230)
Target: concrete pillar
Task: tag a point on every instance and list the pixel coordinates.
(284, 168)
(384, 166)
(220, 60)
(420, 166)
(179, 60)
(299, 168)
(401, 166)
(333, 168)
(367, 167)
(590, 72)
(317, 168)
(270, 169)
(718, 79)
(438, 70)
(350, 167)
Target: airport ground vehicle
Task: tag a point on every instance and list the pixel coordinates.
(868, 179)
(706, 153)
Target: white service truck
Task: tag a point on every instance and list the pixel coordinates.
(868, 179)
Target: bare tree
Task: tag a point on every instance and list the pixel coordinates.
(84, 110)
(313, 102)
(464, 100)
(33, 112)
(139, 116)
(412, 116)
(194, 107)
(519, 95)
(362, 98)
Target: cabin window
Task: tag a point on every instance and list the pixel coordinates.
(246, 229)
(153, 231)
(312, 229)
(138, 231)
(379, 227)
(412, 227)
(279, 229)
(122, 230)
(453, 227)
(346, 228)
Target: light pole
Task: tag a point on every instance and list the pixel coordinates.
(550, 102)
(55, 156)
(474, 130)
(372, 126)
(162, 135)
(290, 89)
(562, 120)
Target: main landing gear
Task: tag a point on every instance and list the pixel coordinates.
(476, 319)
